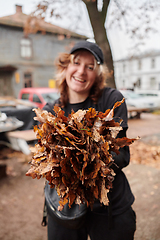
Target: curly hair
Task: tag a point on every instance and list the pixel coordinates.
(62, 63)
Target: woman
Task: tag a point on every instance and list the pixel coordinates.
(81, 80)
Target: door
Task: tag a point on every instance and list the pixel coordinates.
(27, 80)
(6, 84)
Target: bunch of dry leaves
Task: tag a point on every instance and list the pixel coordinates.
(74, 153)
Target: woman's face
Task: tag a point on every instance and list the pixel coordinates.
(81, 73)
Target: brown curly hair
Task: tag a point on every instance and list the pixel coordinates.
(62, 63)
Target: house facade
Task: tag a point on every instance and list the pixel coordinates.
(141, 73)
(28, 60)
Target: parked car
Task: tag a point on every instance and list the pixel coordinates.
(153, 95)
(39, 96)
(135, 100)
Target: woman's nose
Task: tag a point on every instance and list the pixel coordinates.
(82, 69)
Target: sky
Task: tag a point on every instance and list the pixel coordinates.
(7, 7)
(121, 44)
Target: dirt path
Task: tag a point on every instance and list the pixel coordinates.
(21, 198)
(145, 184)
(147, 125)
(144, 178)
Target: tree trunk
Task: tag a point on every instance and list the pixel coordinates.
(97, 20)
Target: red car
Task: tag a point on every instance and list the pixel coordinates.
(39, 96)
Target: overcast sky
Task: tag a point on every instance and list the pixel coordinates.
(120, 43)
(7, 7)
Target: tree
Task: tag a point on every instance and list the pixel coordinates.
(131, 12)
(97, 19)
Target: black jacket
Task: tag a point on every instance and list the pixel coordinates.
(120, 195)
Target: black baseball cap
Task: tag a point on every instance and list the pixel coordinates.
(91, 47)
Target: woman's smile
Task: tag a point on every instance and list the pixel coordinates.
(79, 79)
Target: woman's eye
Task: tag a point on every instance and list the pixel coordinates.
(76, 63)
(90, 68)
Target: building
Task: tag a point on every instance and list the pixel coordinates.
(139, 73)
(27, 60)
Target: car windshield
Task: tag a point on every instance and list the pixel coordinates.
(52, 96)
(131, 95)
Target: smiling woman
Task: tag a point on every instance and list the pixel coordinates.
(81, 77)
(81, 74)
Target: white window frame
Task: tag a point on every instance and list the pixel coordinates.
(139, 64)
(26, 47)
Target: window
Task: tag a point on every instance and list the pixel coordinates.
(27, 80)
(139, 65)
(36, 99)
(138, 84)
(25, 96)
(152, 63)
(26, 48)
(124, 67)
(152, 82)
(49, 97)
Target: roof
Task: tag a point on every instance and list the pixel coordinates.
(19, 19)
(7, 67)
(150, 53)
